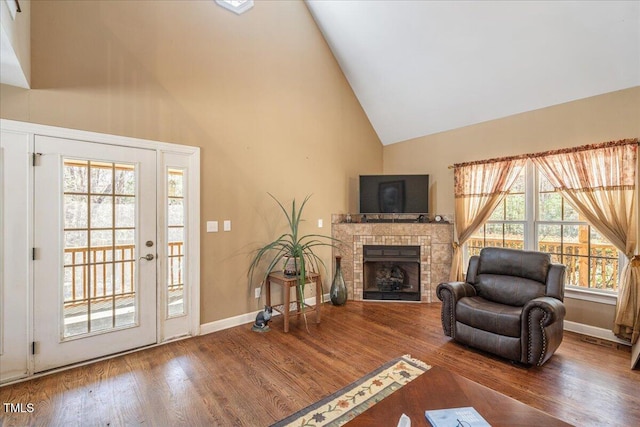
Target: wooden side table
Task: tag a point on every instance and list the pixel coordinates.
(293, 307)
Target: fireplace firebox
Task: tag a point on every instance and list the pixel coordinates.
(391, 272)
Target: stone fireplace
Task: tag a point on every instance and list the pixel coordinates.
(432, 265)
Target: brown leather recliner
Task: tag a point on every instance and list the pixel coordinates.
(510, 305)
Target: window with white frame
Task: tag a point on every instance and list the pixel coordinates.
(535, 217)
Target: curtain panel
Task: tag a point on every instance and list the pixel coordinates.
(599, 182)
(479, 188)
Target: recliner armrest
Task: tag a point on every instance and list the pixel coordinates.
(449, 293)
(541, 329)
(457, 290)
(553, 308)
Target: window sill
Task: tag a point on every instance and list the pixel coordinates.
(592, 296)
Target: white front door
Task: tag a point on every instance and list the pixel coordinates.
(95, 250)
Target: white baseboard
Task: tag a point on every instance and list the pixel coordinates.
(243, 319)
(592, 331)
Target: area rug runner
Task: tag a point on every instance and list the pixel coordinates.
(357, 397)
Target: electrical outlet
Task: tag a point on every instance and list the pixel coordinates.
(258, 292)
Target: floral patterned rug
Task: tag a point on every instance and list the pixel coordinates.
(357, 397)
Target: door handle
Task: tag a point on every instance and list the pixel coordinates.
(148, 257)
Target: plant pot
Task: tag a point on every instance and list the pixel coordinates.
(291, 266)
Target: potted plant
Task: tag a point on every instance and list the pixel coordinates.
(291, 252)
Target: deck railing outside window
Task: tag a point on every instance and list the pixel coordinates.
(604, 260)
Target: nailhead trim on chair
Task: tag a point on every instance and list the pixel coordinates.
(451, 320)
(544, 337)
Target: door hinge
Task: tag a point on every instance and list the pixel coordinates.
(33, 254)
(34, 158)
(33, 347)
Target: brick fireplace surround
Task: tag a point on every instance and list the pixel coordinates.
(434, 240)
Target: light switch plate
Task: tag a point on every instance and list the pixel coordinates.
(227, 225)
(212, 226)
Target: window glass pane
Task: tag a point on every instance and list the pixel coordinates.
(75, 211)
(101, 211)
(100, 314)
(577, 270)
(101, 238)
(101, 178)
(125, 212)
(494, 234)
(125, 180)
(498, 214)
(75, 239)
(549, 238)
(543, 184)
(604, 274)
(575, 239)
(519, 184)
(570, 214)
(514, 236)
(601, 246)
(176, 212)
(125, 237)
(75, 318)
(515, 207)
(176, 235)
(550, 207)
(175, 183)
(75, 176)
(126, 309)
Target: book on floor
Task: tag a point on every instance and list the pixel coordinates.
(456, 417)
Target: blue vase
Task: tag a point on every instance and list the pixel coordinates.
(338, 291)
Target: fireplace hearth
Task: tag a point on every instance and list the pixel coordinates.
(391, 272)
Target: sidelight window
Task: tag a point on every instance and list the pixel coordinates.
(176, 214)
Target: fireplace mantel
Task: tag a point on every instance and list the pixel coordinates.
(434, 239)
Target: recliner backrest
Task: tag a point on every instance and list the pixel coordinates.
(510, 276)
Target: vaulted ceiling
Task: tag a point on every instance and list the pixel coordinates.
(423, 67)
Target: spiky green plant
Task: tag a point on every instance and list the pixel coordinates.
(291, 244)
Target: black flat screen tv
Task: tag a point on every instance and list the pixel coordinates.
(394, 194)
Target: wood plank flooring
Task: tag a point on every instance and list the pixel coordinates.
(237, 377)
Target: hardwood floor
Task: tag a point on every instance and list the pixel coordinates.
(237, 377)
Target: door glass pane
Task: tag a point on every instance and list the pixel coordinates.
(175, 236)
(99, 253)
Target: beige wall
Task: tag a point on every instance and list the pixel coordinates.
(607, 117)
(260, 93)
(601, 118)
